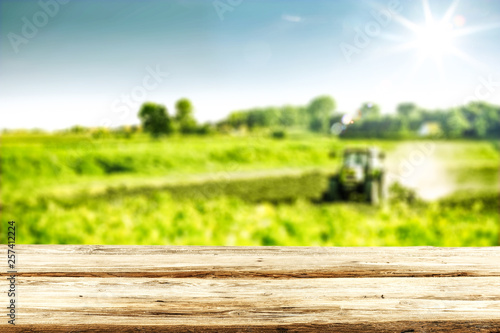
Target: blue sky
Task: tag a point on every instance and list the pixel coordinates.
(91, 62)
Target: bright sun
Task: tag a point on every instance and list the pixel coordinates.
(435, 39)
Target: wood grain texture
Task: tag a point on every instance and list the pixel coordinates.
(256, 262)
(255, 289)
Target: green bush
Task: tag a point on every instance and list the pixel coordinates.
(205, 129)
(278, 134)
(401, 194)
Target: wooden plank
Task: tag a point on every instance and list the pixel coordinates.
(244, 301)
(255, 289)
(255, 262)
(53, 303)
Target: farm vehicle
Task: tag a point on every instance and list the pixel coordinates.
(361, 175)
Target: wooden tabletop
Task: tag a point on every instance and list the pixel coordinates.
(75, 288)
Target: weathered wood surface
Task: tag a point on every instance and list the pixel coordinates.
(254, 262)
(255, 289)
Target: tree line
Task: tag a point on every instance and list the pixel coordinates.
(476, 120)
(315, 117)
(156, 120)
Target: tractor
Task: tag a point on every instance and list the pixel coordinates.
(361, 175)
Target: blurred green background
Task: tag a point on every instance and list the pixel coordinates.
(248, 161)
(82, 188)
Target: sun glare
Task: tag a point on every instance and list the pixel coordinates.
(435, 39)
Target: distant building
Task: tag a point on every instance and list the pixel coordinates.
(430, 128)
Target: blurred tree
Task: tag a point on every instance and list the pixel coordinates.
(77, 129)
(411, 115)
(456, 124)
(405, 110)
(273, 116)
(184, 116)
(205, 129)
(256, 118)
(484, 119)
(155, 119)
(492, 115)
(370, 111)
(302, 116)
(237, 119)
(288, 116)
(320, 110)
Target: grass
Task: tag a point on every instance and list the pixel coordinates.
(39, 173)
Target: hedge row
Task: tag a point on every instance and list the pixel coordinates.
(310, 185)
(268, 187)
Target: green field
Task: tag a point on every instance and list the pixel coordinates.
(71, 189)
